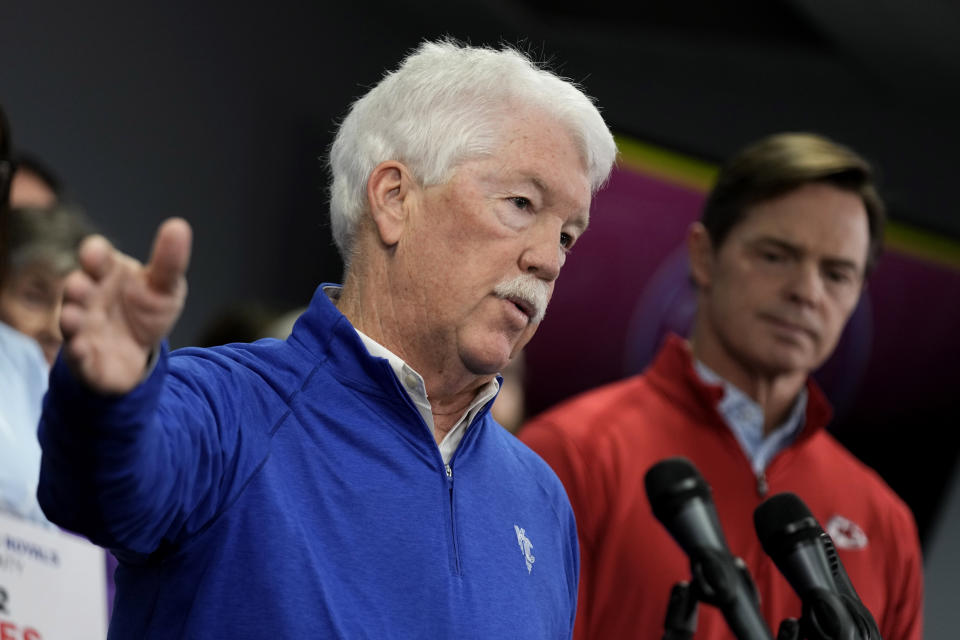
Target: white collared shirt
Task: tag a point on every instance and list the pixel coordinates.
(744, 417)
(412, 383)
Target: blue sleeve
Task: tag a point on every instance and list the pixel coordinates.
(153, 466)
(573, 563)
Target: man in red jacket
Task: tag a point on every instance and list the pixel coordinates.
(779, 259)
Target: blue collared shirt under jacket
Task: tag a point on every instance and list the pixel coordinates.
(290, 489)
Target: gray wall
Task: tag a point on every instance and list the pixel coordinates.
(943, 567)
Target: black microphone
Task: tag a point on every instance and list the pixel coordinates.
(807, 558)
(681, 501)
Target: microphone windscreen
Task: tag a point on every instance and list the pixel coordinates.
(782, 522)
(671, 483)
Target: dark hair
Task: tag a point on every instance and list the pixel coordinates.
(780, 163)
(6, 173)
(4, 135)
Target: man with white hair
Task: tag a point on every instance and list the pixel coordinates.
(349, 481)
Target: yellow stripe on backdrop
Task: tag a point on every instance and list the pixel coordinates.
(699, 175)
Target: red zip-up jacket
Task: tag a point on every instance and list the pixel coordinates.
(602, 443)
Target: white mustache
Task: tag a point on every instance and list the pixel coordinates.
(531, 290)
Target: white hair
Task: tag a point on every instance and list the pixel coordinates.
(445, 104)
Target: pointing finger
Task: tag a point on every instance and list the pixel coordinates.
(171, 254)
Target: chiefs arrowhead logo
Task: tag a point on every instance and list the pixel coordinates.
(846, 534)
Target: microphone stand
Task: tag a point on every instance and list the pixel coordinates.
(713, 582)
(825, 617)
(830, 616)
(681, 619)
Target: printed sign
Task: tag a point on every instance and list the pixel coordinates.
(52, 584)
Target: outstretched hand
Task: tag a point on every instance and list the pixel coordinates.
(117, 310)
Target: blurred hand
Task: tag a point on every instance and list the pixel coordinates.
(117, 310)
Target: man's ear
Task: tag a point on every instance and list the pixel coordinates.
(700, 252)
(388, 187)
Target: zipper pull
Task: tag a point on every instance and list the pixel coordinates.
(448, 470)
(762, 486)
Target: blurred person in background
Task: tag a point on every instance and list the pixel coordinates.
(41, 251)
(7, 168)
(246, 321)
(348, 481)
(23, 379)
(780, 258)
